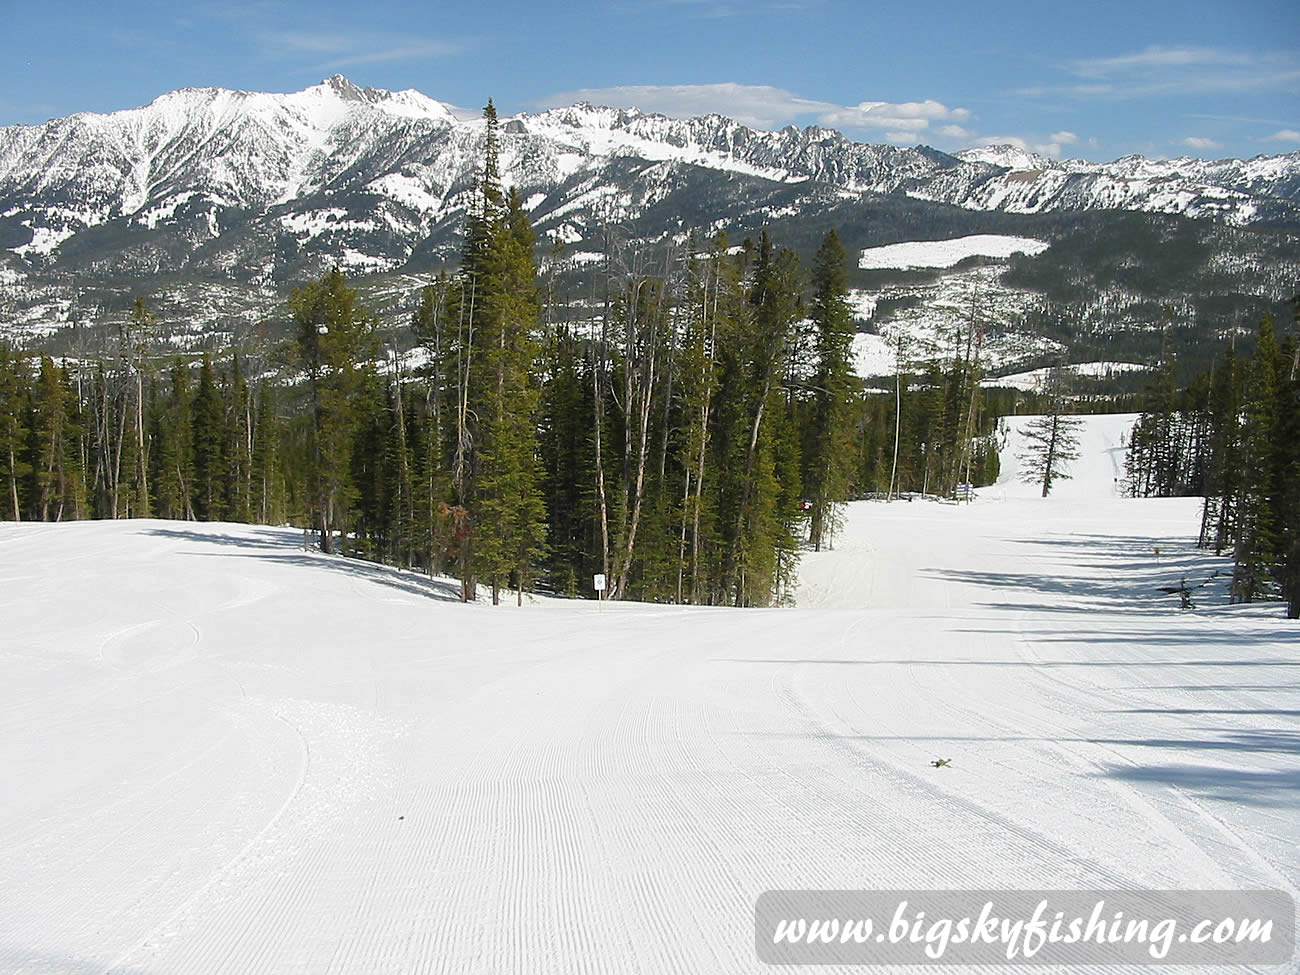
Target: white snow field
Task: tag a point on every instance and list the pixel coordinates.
(223, 754)
(946, 253)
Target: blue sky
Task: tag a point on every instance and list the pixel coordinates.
(1093, 80)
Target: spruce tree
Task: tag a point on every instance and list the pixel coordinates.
(498, 522)
(238, 405)
(15, 396)
(134, 335)
(1287, 446)
(1259, 527)
(51, 414)
(469, 333)
(698, 386)
(1223, 463)
(208, 441)
(172, 454)
(336, 348)
(1052, 439)
(267, 497)
(510, 512)
(564, 447)
(828, 463)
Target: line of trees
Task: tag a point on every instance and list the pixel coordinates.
(1233, 437)
(687, 438)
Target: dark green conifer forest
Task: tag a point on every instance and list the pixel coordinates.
(687, 429)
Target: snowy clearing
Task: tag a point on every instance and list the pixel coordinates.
(1036, 379)
(946, 253)
(1099, 473)
(225, 754)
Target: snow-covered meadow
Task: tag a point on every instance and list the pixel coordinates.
(946, 253)
(223, 753)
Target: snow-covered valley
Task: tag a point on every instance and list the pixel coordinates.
(223, 753)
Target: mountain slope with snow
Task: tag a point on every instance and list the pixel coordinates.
(224, 753)
(213, 150)
(213, 204)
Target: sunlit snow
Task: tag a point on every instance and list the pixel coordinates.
(226, 752)
(946, 253)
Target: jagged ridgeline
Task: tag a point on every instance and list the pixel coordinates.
(214, 204)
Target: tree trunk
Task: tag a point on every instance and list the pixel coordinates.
(13, 481)
(142, 472)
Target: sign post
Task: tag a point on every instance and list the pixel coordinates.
(598, 583)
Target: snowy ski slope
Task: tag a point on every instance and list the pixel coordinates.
(224, 754)
(1098, 473)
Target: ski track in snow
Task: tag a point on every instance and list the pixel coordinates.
(232, 755)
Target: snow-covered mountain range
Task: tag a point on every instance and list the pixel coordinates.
(256, 190)
(194, 156)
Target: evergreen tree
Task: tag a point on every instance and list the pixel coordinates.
(1258, 547)
(564, 446)
(15, 397)
(430, 472)
(51, 415)
(208, 442)
(173, 477)
(238, 410)
(511, 514)
(1287, 447)
(828, 463)
(1053, 440)
(1223, 464)
(492, 315)
(134, 335)
(469, 334)
(336, 348)
(267, 496)
(698, 386)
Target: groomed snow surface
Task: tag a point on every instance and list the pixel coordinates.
(224, 754)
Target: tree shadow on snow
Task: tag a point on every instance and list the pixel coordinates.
(257, 537)
(1272, 712)
(1282, 688)
(281, 548)
(1105, 573)
(1238, 786)
(54, 963)
(1244, 786)
(1259, 632)
(1032, 664)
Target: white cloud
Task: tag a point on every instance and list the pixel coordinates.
(351, 49)
(1063, 138)
(764, 106)
(910, 116)
(399, 52)
(1170, 71)
(309, 42)
(1199, 142)
(1156, 57)
(955, 132)
(1283, 135)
